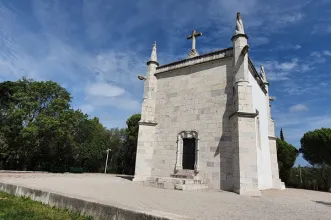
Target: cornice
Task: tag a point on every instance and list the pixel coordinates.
(220, 54)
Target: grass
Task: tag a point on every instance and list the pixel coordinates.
(22, 208)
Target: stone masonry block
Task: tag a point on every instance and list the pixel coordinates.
(217, 92)
(215, 175)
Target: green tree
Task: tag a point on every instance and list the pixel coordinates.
(127, 158)
(93, 142)
(286, 154)
(39, 130)
(3, 149)
(312, 178)
(117, 138)
(23, 103)
(281, 134)
(316, 146)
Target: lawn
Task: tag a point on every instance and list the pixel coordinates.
(20, 208)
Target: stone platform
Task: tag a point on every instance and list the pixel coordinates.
(133, 198)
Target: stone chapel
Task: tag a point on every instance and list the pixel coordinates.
(206, 122)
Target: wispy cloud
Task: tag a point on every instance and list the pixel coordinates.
(260, 41)
(104, 89)
(321, 27)
(319, 56)
(298, 108)
(327, 53)
(288, 19)
(289, 69)
(297, 125)
(86, 108)
(277, 71)
(287, 47)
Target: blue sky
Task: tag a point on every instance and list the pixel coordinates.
(96, 49)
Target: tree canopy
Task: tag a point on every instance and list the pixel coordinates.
(127, 155)
(316, 146)
(282, 135)
(40, 131)
(286, 154)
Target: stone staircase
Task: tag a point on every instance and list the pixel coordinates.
(183, 180)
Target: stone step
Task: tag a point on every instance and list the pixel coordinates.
(176, 180)
(185, 174)
(175, 183)
(182, 176)
(191, 187)
(162, 185)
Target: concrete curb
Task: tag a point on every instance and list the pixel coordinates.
(18, 171)
(88, 208)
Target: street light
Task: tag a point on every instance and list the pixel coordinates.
(107, 159)
(142, 77)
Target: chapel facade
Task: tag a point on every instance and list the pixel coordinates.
(206, 122)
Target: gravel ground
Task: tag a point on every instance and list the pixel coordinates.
(212, 205)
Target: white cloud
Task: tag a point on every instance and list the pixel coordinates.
(104, 89)
(315, 54)
(291, 18)
(296, 125)
(327, 53)
(298, 108)
(286, 47)
(86, 108)
(297, 47)
(322, 28)
(320, 56)
(277, 71)
(117, 66)
(287, 66)
(55, 52)
(260, 40)
(124, 102)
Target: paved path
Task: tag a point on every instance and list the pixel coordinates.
(213, 205)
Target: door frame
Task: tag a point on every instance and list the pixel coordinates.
(179, 153)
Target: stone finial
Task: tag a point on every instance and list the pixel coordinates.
(239, 25)
(153, 55)
(263, 75)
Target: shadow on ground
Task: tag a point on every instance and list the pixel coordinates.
(324, 203)
(127, 177)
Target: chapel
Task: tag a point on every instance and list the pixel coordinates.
(206, 122)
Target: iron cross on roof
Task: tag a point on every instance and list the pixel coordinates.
(193, 36)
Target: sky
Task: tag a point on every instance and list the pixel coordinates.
(96, 49)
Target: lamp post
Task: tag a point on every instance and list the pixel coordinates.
(107, 159)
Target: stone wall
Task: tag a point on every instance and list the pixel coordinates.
(260, 104)
(196, 98)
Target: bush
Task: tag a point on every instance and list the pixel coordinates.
(313, 178)
(57, 170)
(76, 170)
